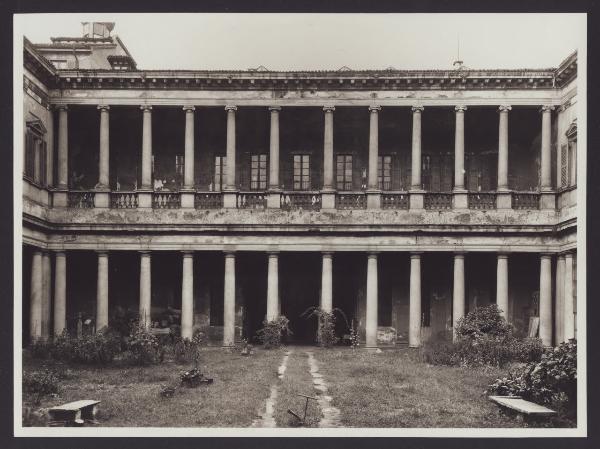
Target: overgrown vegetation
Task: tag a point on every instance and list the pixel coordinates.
(40, 383)
(95, 349)
(484, 338)
(272, 332)
(326, 336)
(143, 347)
(552, 380)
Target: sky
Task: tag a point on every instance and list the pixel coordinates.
(330, 41)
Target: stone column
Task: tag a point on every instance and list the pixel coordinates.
(187, 192)
(569, 314)
(416, 185)
(328, 192)
(102, 291)
(230, 195)
(414, 315)
(372, 295)
(187, 296)
(327, 283)
(102, 197)
(60, 293)
(503, 195)
(502, 285)
(145, 316)
(373, 191)
(46, 294)
(229, 299)
(460, 194)
(546, 299)
(458, 294)
(145, 191)
(35, 314)
(547, 199)
(60, 195)
(274, 198)
(272, 287)
(559, 305)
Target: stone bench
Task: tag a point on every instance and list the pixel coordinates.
(74, 413)
(525, 409)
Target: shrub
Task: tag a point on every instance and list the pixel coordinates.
(96, 349)
(143, 346)
(271, 333)
(552, 380)
(186, 351)
(41, 383)
(482, 321)
(40, 349)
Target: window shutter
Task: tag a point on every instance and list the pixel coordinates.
(564, 166)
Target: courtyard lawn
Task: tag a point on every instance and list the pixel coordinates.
(390, 389)
(130, 395)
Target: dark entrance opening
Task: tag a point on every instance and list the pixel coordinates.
(299, 286)
(253, 285)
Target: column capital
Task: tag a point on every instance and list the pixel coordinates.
(504, 108)
(103, 107)
(372, 254)
(102, 252)
(416, 254)
(146, 107)
(374, 108)
(328, 108)
(417, 109)
(502, 255)
(459, 254)
(229, 253)
(187, 253)
(274, 108)
(546, 255)
(546, 108)
(460, 108)
(188, 108)
(231, 108)
(569, 254)
(273, 253)
(59, 252)
(144, 252)
(328, 254)
(61, 107)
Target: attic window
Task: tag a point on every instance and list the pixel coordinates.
(121, 62)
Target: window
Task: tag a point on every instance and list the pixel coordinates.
(384, 172)
(220, 172)
(258, 172)
(573, 163)
(301, 172)
(344, 172)
(35, 157)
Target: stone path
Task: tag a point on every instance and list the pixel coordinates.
(267, 419)
(331, 415)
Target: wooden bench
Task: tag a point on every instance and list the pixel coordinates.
(525, 409)
(73, 413)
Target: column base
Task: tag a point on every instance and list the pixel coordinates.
(230, 200)
(59, 198)
(328, 200)
(274, 199)
(503, 199)
(416, 199)
(460, 199)
(187, 199)
(373, 199)
(548, 200)
(102, 200)
(144, 199)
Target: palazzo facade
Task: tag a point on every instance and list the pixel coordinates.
(404, 198)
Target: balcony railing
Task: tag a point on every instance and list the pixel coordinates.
(397, 200)
(166, 200)
(123, 200)
(437, 201)
(208, 200)
(482, 200)
(351, 200)
(252, 200)
(525, 200)
(301, 200)
(80, 199)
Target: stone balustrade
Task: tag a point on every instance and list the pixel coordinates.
(397, 200)
(79, 199)
(123, 200)
(437, 201)
(482, 200)
(300, 200)
(351, 200)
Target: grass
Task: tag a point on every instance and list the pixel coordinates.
(297, 379)
(390, 389)
(395, 389)
(130, 395)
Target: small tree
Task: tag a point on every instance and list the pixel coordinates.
(326, 336)
(483, 321)
(272, 332)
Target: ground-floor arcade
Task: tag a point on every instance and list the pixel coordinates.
(391, 297)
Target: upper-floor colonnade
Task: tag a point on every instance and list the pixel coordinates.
(374, 194)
